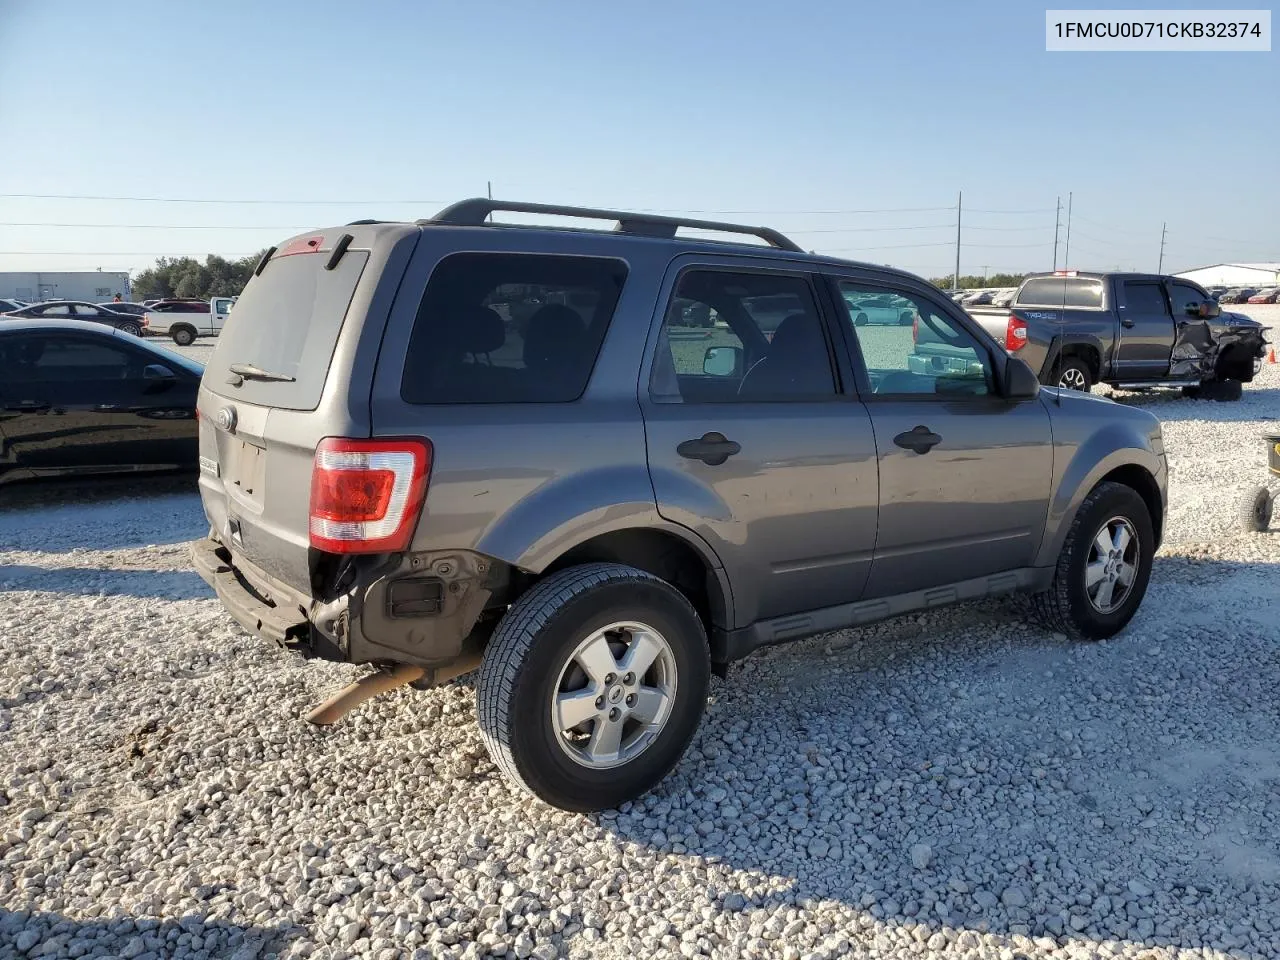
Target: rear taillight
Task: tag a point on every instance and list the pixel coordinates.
(1015, 335)
(366, 494)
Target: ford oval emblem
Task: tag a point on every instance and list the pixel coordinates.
(227, 419)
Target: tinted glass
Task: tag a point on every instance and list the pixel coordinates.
(49, 357)
(1183, 296)
(741, 337)
(931, 355)
(56, 310)
(1144, 298)
(506, 328)
(287, 321)
(1061, 291)
(89, 313)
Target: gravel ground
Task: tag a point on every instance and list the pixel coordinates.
(957, 784)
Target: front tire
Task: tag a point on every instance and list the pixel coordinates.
(1221, 390)
(1104, 568)
(593, 685)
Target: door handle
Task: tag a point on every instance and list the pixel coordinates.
(1126, 323)
(920, 439)
(711, 448)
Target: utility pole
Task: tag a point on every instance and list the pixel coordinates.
(1066, 253)
(1164, 227)
(1057, 222)
(985, 268)
(955, 283)
(489, 184)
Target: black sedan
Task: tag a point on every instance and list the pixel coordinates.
(124, 306)
(79, 310)
(80, 398)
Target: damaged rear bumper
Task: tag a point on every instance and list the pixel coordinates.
(418, 609)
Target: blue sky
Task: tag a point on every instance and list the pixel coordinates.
(798, 115)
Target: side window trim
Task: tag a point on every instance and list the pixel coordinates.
(695, 263)
(944, 306)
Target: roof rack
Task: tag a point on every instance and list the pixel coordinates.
(474, 213)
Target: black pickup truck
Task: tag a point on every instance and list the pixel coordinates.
(1128, 330)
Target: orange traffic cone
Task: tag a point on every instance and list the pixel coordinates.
(1271, 355)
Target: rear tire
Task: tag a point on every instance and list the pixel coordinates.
(860, 320)
(1072, 604)
(906, 318)
(1255, 510)
(184, 336)
(534, 665)
(1074, 374)
(132, 329)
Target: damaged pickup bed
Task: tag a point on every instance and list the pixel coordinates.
(1128, 330)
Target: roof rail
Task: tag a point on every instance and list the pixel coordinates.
(474, 213)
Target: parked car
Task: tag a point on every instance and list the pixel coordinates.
(78, 310)
(7, 306)
(979, 298)
(1269, 295)
(1004, 297)
(882, 308)
(1238, 295)
(185, 320)
(124, 306)
(79, 398)
(1129, 330)
(598, 513)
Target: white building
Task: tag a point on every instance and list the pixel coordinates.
(1235, 275)
(96, 286)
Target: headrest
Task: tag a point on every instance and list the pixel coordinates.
(555, 331)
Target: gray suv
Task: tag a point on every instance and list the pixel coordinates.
(603, 465)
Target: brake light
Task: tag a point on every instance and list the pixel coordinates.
(301, 245)
(366, 494)
(1015, 334)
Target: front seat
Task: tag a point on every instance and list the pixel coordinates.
(796, 354)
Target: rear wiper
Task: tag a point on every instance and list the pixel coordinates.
(251, 371)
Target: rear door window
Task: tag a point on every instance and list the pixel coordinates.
(1060, 292)
(287, 322)
(508, 328)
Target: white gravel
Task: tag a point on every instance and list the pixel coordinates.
(957, 784)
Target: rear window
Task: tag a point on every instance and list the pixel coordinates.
(287, 322)
(1061, 291)
(509, 328)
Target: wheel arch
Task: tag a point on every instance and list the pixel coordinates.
(1112, 453)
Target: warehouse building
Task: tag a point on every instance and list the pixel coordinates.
(1235, 274)
(95, 286)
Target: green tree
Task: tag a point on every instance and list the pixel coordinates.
(188, 277)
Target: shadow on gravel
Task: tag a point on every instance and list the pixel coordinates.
(46, 934)
(968, 772)
(94, 582)
(112, 514)
(1261, 403)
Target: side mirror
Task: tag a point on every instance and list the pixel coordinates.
(157, 371)
(722, 362)
(1020, 381)
(1206, 310)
